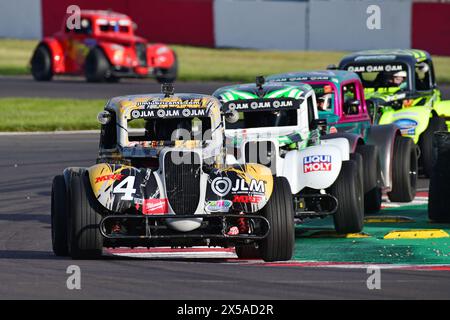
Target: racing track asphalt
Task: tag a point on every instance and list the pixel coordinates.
(76, 87)
(28, 269)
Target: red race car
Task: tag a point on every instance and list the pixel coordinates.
(103, 48)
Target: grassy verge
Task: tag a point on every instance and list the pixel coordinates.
(36, 114)
(205, 64)
(243, 65)
(15, 56)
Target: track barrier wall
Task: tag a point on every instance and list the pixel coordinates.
(270, 24)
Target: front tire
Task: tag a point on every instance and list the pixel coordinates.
(348, 189)
(41, 64)
(85, 239)
(97, 68)
(404, 170)
(59, 217)
(168, 75)
(426, 144)
(279, 211)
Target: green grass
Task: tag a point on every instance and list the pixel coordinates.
(243, 65)
(15, 56)
(38, 114)
(205, 64)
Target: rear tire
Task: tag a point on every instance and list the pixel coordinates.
(426, 144)
(41, 64)
(59, 217)
(279, 211)
(371, 171)
(85, 239)
(348, 189)
(404, 170)
(97, 68)
(168, 75)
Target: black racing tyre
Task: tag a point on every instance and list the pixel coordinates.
(279, 211)
(59, 216)
(359, 163)
(439, 191)
(97, 67)
(371, 172)
(41, 64)
(167, 75)
(85, 239)
(247, 251)
(426, 144)
(348, 189)
(404, 170)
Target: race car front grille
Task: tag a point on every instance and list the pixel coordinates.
(141, 54)
(182, 181)
(262, 152)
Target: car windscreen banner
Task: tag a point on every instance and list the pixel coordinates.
(376, 67)
(250, 105)
(168, 113)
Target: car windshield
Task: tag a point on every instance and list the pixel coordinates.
(170, 129)
(391, 76)
(325, 95)
(112, 26)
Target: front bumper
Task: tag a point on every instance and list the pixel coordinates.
(152, 227)
(136, 72)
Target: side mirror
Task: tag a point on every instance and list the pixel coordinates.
(332, 67)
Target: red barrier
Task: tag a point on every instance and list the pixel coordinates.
(431, 27)
(168, 21)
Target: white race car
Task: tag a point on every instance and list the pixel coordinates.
(276, 124)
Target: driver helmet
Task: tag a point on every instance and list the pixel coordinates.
(400, 74)
(423, 67)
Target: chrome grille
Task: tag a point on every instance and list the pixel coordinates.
(182, 181)
(141, 53)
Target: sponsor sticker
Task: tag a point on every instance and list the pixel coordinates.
(167, 113)
(219, 206)
(376, 68)
(407, 126)
(116, 177)
(171, 103)
(154, 206)
(317, 163)
(255, 186)
(247, 199)
(221, 186)
(254, 105)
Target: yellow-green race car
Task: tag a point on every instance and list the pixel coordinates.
(400, 87)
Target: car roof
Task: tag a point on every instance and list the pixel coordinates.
(406, 55)
(267, 87)
(317, 75)
(105, 14)
(123, 104)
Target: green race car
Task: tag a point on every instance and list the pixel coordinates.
(400, 87)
